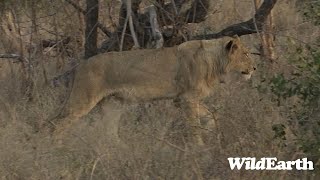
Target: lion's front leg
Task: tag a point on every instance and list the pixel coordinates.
(207, 117)
(193, 111)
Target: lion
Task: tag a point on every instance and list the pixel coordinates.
(186, 73)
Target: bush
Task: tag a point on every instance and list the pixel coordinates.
(304, 84)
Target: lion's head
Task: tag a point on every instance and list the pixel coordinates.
(239, 58)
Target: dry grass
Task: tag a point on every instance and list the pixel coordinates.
(140, 141)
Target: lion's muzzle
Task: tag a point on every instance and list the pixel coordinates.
(248, 73)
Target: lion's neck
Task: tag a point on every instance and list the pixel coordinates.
(221, 65)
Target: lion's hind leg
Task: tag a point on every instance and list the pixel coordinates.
(77, 106)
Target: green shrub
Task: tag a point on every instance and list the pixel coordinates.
(304, 84)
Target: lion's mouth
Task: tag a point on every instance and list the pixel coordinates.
(245, 73)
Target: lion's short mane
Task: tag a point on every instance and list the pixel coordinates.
(201, 65)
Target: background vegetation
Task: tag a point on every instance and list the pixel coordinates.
(304, 84)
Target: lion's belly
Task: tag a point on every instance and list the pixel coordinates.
(145, 84)
(146, 90)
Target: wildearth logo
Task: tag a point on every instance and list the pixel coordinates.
(269, 163)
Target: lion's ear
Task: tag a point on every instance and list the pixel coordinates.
(231, 46)
(236, 37)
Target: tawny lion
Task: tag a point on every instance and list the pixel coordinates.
(188, 72)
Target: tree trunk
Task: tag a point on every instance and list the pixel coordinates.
(250, 26)
(91, 32)
(266, 35)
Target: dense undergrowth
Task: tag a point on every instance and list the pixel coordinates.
(303, 83)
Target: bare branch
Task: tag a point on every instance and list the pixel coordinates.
(76, 6)
(174, 7)
(50, 43)
(129, 16)
(247, 27)
(84, 12)
(198, 11)
(266, 36)
(10, 56)
(155, 29)
(123, 32)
